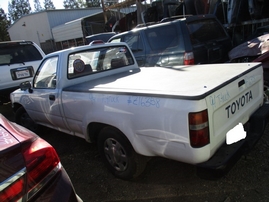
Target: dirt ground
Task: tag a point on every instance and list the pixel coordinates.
(163, 180)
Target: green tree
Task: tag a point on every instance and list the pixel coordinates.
(82, 4)
(37, 6)
(93, 3)
(4, 23)
(18, 8)
(70, 4)
(48, 5)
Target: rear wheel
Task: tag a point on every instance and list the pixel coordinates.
(119, 155)
(22, 118)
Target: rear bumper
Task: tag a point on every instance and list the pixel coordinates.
(227, 155)
(60, 188)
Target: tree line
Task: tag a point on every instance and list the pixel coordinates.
(18, 8)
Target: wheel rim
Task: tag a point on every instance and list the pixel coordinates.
(116, 154)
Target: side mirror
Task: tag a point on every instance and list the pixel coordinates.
(26, 86)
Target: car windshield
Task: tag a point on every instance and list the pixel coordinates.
(19, 54)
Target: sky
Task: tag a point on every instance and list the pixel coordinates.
(57, 3)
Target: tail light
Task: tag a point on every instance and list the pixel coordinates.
(199, 129)
(189, 58)
(15, 191)
(40, 159)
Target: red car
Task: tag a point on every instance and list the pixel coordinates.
(30, 168)
(254, 50)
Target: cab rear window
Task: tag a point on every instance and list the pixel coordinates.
(97, 60)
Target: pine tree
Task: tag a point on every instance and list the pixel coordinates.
(70, 4)
(93, 3)
(37, 6)
(18, 8)
(4, 23)
(48, 5)
(82, 4)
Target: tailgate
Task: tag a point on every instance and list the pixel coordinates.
(234, 103)
(14, 74)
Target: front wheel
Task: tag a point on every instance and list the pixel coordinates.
(22, 118)
(119, 155)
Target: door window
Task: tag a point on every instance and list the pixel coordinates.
(134, 42)
(162, 38)
(46, 74)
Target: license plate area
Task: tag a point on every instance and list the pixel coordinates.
(235, 134)
(22, 73)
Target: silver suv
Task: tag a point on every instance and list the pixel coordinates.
(18, 62)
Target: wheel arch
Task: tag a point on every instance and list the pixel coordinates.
(94, 129)
(16, 106)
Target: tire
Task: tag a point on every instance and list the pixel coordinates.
(22, 118)
(118, 154)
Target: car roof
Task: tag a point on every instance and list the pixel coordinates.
(101, 34)
(17, 42)
(166, 21)
(85, 47)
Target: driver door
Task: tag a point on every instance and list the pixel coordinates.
(43, 104)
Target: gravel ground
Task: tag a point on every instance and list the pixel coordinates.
(163, 180)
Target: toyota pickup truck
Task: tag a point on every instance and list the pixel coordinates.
(204, 115)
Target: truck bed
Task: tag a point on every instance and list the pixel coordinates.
(189, 82)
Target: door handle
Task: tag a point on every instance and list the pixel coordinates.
(52, 97)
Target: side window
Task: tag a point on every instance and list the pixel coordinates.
(46, 74)
(163, 37)
(115, 40)
(134, 42)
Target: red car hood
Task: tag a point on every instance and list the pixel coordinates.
(254, 47)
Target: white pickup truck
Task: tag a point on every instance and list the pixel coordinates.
(193, 114)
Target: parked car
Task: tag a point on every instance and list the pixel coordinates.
(30, 167)
(101, 36)
(253, 50)
(250, 49)
(179, 41)
(18, 62)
